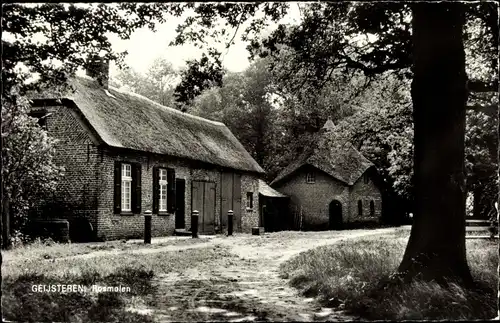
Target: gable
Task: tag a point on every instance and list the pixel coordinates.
(342, 162)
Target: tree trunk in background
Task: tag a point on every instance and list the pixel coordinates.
(476, 206)
(6, 243)
(497, 209)
(436, 248)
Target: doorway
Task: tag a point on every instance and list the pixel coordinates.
(335, 211)
(180, 203)
(203, 200)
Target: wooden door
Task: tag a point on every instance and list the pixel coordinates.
(180, 190)
(203, 200)
(237, 201)
(197, 189)
(226, 197)
(209, 208)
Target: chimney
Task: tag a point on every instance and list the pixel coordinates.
(98, 68)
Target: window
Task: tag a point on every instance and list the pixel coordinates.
(163, 190)
(310, 178)
(41, 115)
(162, 184)
(126, 187)
(249, 200)
(366, 179)
(372, 208)
(360, 208)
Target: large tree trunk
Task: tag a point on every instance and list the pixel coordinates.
(497, 209)
(436, 248)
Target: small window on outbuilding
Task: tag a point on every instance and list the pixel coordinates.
(249, 200)
(372, 208)
(360, 208)
(310, 178)
(41, 115)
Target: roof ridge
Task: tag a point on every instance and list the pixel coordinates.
(127, 92)
(218, 123)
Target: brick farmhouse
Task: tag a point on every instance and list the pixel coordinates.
(124, 154)
(331, 184)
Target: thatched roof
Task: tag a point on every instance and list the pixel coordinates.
(341, 161)
(127, 120)
(268, 191)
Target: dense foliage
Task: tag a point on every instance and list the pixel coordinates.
(42, 46)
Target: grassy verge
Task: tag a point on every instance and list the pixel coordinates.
(49, 250)
(348, 274)
(138, 272)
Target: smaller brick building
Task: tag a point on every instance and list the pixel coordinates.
(330, 184)
(124, 154)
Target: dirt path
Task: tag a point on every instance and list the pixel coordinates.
(244, 285)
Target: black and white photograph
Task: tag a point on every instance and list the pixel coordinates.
(250, 161)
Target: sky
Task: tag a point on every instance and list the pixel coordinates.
(144, 46)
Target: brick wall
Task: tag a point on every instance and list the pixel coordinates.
(114, 226)
(89, 180)
(77, 152)
(315, 198)
(119, 226)
(365, 192)
(249, 217)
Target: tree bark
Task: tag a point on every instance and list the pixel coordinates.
(436, 248)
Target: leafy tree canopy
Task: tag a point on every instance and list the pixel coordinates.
(370, 37)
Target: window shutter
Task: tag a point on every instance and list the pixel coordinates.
(156, 190)
(117, 199)
(171, 190)
(136, 188)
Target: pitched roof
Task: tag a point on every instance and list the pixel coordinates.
(127, 120)
(268, 191)
(341, 161)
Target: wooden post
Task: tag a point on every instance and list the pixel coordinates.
(194, 223)
(147, 226)
(230, 214)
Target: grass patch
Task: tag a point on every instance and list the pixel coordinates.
(349, 275)
(47, 249)
(23, 304)
(139, 272)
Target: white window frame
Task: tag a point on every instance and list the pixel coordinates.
(126, 177)
(162, 187)
(310, 178)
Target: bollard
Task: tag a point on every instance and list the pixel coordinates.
(230, 214)
(147, 226)
(194, 224)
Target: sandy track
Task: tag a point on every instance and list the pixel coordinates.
(243, 284)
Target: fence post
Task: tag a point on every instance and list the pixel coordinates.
(147, 226)
(230, 214)
(194, 223)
